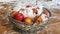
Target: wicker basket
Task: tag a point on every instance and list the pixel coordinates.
(30, 29)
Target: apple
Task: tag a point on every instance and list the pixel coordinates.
(28, 20)
(39, 20)
(35, 18)
(34, 10)
(13, 13)
(45, 12)
(19, 17)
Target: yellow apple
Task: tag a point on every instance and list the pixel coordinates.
(28, 20)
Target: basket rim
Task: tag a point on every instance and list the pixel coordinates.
(31, 24)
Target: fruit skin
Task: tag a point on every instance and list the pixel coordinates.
(39, 20)
(45, 12)
(19, 17)
(35, 18)
(34, 10)
(28, 20)
(13, 14)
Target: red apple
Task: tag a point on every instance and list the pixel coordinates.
(45, 12)
(19, 17)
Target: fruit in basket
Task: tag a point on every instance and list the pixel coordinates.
(13, 13)
(39, 20)
(34, 10)
(45, 12)
(19, 17)
(35, 18)
(28, 20)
